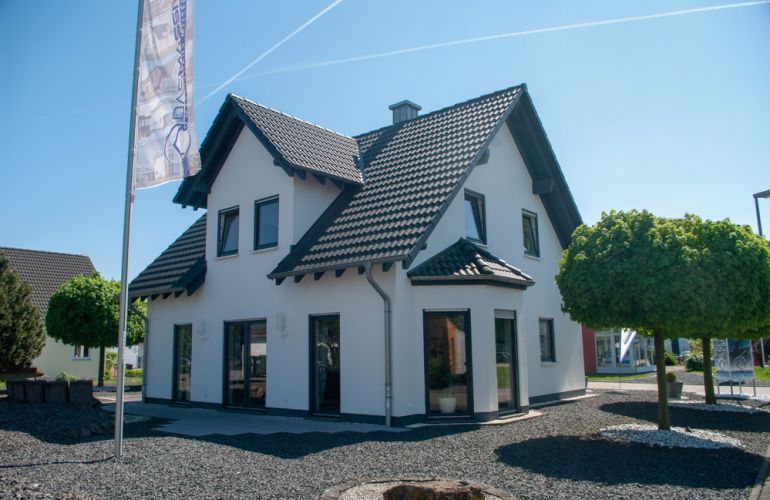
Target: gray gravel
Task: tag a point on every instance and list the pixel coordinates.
(557, 455)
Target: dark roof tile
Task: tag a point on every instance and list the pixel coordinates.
(46, 271)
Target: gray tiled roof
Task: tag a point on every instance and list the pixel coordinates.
(178, 268)
(412, 170)
(46, 271)
(465, 261)
(304, 145)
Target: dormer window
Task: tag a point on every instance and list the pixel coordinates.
(227, 243)
(531, 238)
(266, 223)
(475, 217)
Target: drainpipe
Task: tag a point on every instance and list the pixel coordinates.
(388, 348)
(136, 311)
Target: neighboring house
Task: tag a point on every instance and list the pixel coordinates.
(444, 229)
(601, 352)
(46, 272)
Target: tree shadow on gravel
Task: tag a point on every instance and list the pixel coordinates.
(689, 417)
(591, 458)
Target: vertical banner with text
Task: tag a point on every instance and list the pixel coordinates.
(166, 143)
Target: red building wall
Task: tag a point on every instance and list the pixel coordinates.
(589, 350)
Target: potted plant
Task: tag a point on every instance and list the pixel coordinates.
(447, 403)
(674, 386)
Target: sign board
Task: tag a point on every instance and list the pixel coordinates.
(734, 360)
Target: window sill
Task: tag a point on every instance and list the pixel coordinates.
(229, 256)
(266, 249)
(548, 363)
(81, 359)
(533, 257)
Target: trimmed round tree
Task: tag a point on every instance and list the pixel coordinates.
(22, 336)
(635, 270)
(737, 304)
(85, 311)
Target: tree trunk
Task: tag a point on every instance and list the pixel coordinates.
(708, 377)
(100, 381)
(660, 364)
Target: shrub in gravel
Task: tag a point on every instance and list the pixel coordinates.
(694, 362)
(670, 359)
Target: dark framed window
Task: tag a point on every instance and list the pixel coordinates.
(227, 243)
(246, 363)
(82, 352)
(448, 356)
(531, 237)
(547, 348)
(266, 223)
(182, 362)
(475, 217)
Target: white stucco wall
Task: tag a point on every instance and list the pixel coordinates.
(57, 357)
(507, 188)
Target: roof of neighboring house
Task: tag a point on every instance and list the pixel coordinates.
(180, 268)
(46, 271)
(296, 145)
(466, 263)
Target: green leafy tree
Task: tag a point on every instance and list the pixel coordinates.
(21, 327)
(85, 311)
(738, 302)
(635, 270)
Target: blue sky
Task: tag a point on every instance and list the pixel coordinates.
(669, 114)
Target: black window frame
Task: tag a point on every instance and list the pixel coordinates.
(478, 208)
(552, 335)
(527, 214)
(220, 240)
(257, 205)
(175, 364)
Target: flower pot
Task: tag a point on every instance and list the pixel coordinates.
(447, 404)
(675, 389)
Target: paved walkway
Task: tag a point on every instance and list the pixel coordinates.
(201, 422)
(696, 389)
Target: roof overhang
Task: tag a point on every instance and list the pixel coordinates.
(469, 280)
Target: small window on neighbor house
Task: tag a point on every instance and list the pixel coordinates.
(531, 238)
(81, 352)
(266, 223)
(228, 232)
(547, 348)
(475, 223)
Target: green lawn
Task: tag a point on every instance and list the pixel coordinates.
(2, 384)
(609, 377)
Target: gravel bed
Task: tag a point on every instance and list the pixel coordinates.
(677, 437)
(558, 455)
(728, 407)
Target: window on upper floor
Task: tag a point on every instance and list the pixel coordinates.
(266, 223)
(531, 237)
(475, 217)
(227, 243)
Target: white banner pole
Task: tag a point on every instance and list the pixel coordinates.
(127, 244)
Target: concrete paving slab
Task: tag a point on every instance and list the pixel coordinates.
(198, 422)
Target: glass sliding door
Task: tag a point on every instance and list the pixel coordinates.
(246, 364)
(325, 365)
(448, 363)
(182, 362)
(506, 361)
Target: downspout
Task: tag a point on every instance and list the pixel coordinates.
(133, 309)
(388, 348)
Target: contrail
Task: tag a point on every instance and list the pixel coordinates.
(499, 36)
(271, 49)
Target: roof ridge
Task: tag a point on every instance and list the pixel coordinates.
(47, 251)
(236, 96)
(445, 108)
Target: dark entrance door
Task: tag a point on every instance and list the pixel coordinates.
(246, 364)
(182, 362)
(505, 357)
(325, 365)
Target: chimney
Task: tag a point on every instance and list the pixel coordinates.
(404, 110)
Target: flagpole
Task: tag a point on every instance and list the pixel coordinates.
(129, 206)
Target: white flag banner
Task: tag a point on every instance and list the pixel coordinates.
(166, 143)
(626, 337)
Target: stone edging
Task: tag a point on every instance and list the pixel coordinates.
(335, 492)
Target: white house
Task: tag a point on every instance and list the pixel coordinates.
(400, 275)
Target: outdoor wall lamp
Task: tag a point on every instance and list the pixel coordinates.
(757, 196)
(200, 329)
